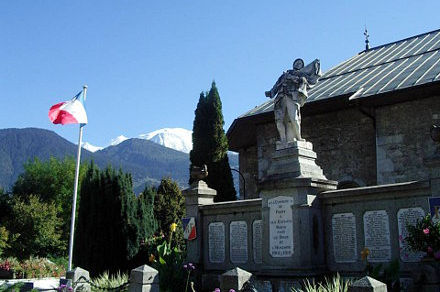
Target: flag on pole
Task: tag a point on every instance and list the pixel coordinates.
(69, 112)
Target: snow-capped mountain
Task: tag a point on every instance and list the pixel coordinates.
(175, 138)
(117, 140)
(90, 147)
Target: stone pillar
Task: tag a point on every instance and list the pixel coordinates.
(198, 194)
(144, 279)
(367, 284)
(234, 279)
(293, 237)
(79, 279)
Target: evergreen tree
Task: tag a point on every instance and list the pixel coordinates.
(210, 145)
(147, 221)
(107, 235)
(169, 208)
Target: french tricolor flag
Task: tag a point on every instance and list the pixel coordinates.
(69, 112)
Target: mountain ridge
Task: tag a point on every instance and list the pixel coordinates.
(147, 161)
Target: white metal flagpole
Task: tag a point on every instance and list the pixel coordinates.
(75, 189)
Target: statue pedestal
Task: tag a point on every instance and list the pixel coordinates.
(295, 159)
(293, 237)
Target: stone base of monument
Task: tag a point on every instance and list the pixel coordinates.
(294, 159)
(293, 236)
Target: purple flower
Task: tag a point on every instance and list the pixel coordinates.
(426, 231)
(231, 290)
(185, 266)
(217, 290)
(70, 289)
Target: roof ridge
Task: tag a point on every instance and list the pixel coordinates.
(380, 64)
(398, 41)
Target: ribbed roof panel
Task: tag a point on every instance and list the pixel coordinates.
(406, 63)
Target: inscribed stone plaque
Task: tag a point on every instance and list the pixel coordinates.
(344, 237)
(238, 242)
(408, 216)
(377, 236)
(216, 242)
(280, 227)
(256, 241)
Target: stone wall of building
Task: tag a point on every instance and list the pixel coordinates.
(403, 139)
(344, 142)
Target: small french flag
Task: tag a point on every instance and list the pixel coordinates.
(69, 112)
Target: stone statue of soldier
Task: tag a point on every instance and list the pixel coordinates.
(290, 93)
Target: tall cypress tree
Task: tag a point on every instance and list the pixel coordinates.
(108, 229)
(210, 145)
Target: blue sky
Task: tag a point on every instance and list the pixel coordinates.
(146, 62)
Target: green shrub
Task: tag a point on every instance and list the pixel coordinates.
(4, 236)
(35, 229)
(334, 284)
(32, 268)
(105, 282)
(425, 236)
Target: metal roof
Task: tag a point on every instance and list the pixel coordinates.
(403, 64)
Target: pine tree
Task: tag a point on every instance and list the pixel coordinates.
(210, 145)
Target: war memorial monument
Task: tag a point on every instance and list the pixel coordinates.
(332, 165)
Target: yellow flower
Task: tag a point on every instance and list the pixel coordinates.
(173, 227)
(151, 258)
(364, 253)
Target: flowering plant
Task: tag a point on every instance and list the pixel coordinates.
(188, 267)
(425, 236)
(168, 260)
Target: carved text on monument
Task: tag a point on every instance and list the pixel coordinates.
(216, 242)
(377, 235)
(238, 244)
(280, 226)
(256, 240)
(408, 216)
(344, 237)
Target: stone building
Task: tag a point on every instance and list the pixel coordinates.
(368, 118)
(370, 169)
